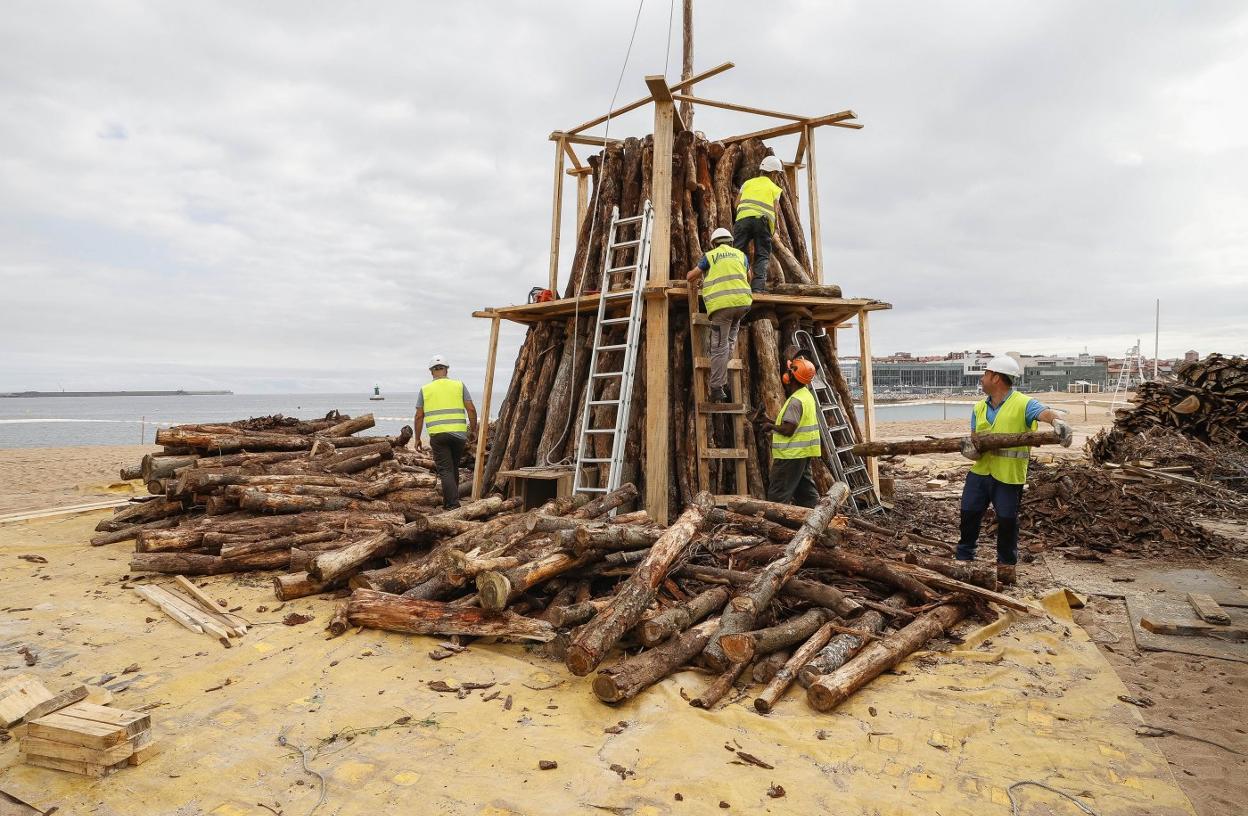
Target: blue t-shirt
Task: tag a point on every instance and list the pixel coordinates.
(1034, 409)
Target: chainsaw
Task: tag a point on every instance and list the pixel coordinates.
(539, 295)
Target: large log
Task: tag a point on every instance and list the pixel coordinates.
(678, 618)
(140, 513)
(156, 466)
(378, 610)
(982, 442)
(243, 550)
(892, 574)
(348, 427)
(743, 647)
(626, 679)
(743, 610)
(813, 592)
(830, 690)
(593, 640)
(335, 564)
(838, 650)
(784, 677)
(177, 563)
(715, 692)
(127, 533)
(496, 589)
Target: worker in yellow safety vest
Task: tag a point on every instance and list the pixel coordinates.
(756, 217)
(998, 476)
(446, 407)
(795, 440)
(726, 293)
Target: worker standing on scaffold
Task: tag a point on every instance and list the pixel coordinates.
(998, 476)
(726, 293)
(452, 420)
(795, 440)
(756, 217)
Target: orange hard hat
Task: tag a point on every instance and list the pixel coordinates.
(803, 370)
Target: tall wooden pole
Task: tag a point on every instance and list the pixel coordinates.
(868, 391)
(658, 407)
(483, 421)
(582, 198)
(812, 195)
(686, 70)
(556, 216)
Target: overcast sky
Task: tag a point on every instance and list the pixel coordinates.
(295, 196)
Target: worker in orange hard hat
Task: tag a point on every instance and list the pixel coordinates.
(795, 439)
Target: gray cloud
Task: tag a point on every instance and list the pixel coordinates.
(284, 196)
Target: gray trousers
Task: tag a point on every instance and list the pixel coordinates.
(725, 324)
(790, 482)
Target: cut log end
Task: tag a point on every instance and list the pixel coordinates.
(606, 689)
(493, 590)
(580, 662)
(762, 706)
(822, 698)
(739, 648)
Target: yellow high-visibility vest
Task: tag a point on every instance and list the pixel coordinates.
(445, 411)
(759, 197)
(1007, 465)
(726, 283)
(804, 443)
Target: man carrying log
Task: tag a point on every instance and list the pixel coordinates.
(452, 424)
(726, 293)
(756, 217)
(795, 440)
(998, 476)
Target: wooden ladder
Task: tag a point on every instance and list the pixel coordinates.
(737, 406)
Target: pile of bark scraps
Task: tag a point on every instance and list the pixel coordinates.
(756, 594)
(550, 385)
(1162, 450)
(1207, 401)
(270, 494)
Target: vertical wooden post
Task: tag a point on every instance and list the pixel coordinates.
(790, 175)
(556, 217)
(686, 65)
(582, 198)
(812, 194)
(658, 407)
(868, 392)
(483, 420)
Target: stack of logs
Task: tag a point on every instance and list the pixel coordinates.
(269, 494)
(749, 590)
(538, 420)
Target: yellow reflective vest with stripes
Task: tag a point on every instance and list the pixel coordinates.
(445, 411)
(804, 443)
(758, 198)
(1006, 465)
(726, 283)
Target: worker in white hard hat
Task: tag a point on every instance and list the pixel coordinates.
(726, 293)
(452, 420)
(998, 476)
(756, 217)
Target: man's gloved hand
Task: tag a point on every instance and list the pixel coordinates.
(765, 426)
(1064, 431)
(418, 444)
(969, 450)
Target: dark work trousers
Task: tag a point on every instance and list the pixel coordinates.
(790, 482)
(979, 492)
(447, 450)
(757, 230)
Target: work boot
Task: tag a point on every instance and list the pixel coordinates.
(719, 394)
(1006, 575)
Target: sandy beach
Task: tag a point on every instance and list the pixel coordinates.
(38, 478)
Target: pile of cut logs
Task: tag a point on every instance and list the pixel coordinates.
(548, 394)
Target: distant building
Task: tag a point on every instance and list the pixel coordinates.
(1191, 356)
(1059, 373)
(959, 373)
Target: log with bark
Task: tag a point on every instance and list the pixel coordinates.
(982, 442)
(393, 613)
(626, 679)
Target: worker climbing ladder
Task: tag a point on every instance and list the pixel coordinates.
(699, 325)
(617, 286)
(837, 435)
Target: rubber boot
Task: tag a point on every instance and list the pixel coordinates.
(1006, 575)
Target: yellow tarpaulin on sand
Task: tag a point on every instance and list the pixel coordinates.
(946, 733)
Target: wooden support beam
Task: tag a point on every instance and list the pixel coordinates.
(838, 118)
(658, 407)
(556, 217)
(812, 196)
(868, 393)
(582, 199)
(800, 156)
(571, 154)
(483, 421)
(732, 106)
(594, 141)
(683, 85)
(662, 93)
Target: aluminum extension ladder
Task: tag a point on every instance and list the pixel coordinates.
(837, 436)
(630, 293)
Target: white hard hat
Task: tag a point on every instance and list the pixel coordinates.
(771, 165)
(438, 360)
(720, 234)
(1004, 365)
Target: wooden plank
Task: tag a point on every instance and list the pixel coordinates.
(1185, 629)
(868, 394)
(145, 592)
(1207, 609)
(133, 722)
(705, 362)
(723, 453)
(658, 407)
(582, 198)
(65, 698)
(683, 85)
(188, 608)
(662, 94)
(483, 421)
(80, 768)
(18, 696)
(570, 152)
(146, 752)
(732, 106)
(594, 141)
(812, 196)
(236, 626)
(797, 127)
(75, 731)
(556, 217)
(34, 746)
